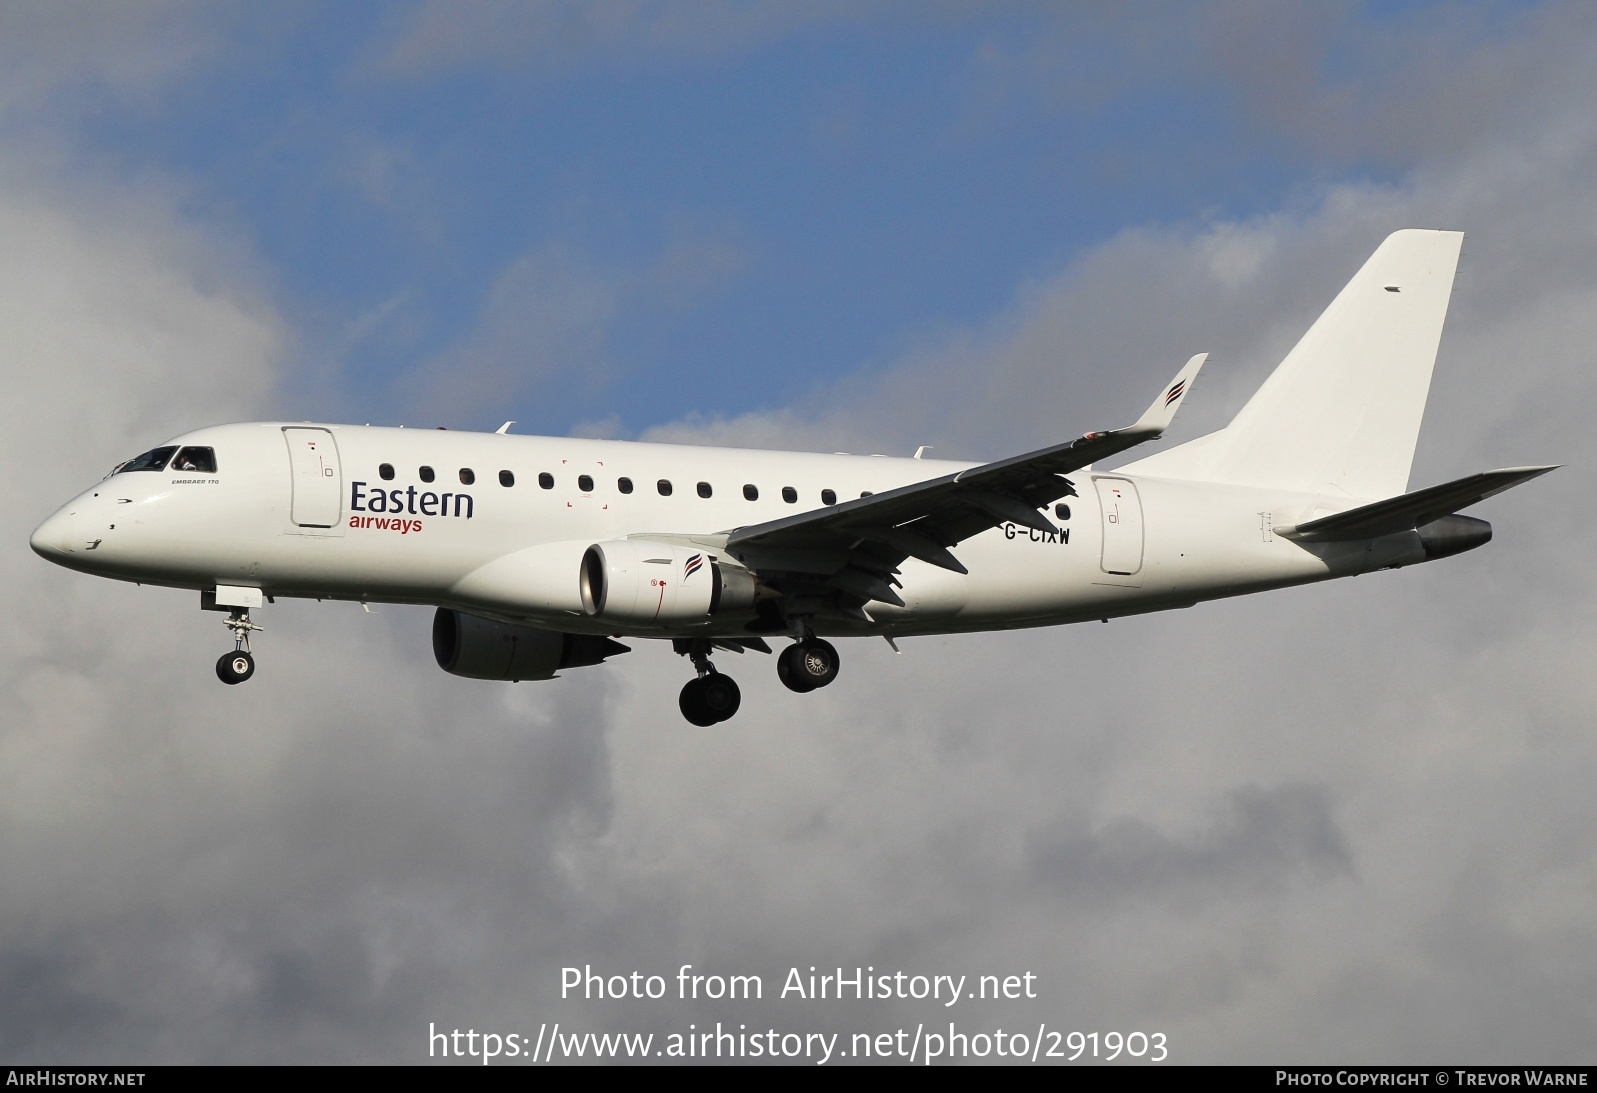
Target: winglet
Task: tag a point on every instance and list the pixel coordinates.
(1164, 408)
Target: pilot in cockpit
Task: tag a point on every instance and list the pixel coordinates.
(202, 460)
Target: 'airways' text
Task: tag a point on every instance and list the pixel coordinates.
(384, 523)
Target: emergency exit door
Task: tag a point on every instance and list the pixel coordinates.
(318, 478)
(1122, 527)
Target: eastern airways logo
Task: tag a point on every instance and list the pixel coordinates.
(401, 503)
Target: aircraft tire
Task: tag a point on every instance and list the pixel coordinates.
(235, 668)
(693, 704)
(790, 675)
(721, 695)
(816, 662)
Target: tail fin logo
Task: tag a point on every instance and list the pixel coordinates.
(1175, 391)
(692, 566)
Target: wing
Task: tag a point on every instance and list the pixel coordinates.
(848, 554)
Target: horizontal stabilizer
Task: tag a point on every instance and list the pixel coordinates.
(1410, 510)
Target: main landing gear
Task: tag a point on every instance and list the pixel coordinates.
(710, 697)
(808, 664)
(237, 666)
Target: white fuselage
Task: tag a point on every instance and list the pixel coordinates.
(1129, 544)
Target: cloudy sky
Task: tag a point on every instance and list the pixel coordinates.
(1344, 823)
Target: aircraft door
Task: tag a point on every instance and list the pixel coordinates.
(318, 477)
(1122, 530)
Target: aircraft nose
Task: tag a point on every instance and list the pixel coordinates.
(50, 539)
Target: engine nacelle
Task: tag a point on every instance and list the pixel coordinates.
(643, 583)
(536, 581)
(465, 645)
(1453, 535)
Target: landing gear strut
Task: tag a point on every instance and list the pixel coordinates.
(808, 664)
(237, 666)
(710, 697)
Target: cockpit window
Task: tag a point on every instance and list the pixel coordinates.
(153, 460)
(202, 460)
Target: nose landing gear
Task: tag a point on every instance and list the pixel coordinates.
(711, 697)
(237, 666)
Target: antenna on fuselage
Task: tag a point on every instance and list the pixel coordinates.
(504, 429)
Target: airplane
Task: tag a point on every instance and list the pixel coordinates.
(538, 553)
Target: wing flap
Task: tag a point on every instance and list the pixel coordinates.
(914, 545)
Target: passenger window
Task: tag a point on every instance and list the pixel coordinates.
(585, 483)
(704, 489)
(426, 474)
(546, 481)
(152, 460)
(789, 494)
(751, 493)
(385, 471)
(664, 486)
(506, 478)
(624, 485)
(201, 460)
(467, 476)
(1062, 511)
(828, 497)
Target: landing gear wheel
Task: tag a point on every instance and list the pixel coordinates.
(790, 677)
(235, 667)
(693, 705)
(721, 695)
(818, 662)
(809, 664)
(709, 699)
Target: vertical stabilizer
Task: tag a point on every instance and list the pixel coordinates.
(1341, 414)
